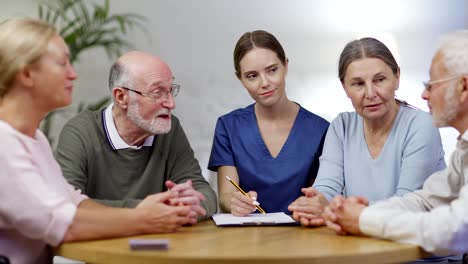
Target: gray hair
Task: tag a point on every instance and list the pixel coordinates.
(119, 75)
(365, 48)
(454, 50)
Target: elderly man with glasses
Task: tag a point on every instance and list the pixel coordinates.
(435, 217)
(135, 147)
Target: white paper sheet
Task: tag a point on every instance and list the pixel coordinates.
(253, 219)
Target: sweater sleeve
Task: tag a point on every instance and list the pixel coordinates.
(422, 154)
(435, 217)
(441, 231)
(72, 155)
(184, 166)
(330, 176)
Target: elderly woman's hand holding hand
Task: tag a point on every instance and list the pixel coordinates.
(308, 209)
(342, 215)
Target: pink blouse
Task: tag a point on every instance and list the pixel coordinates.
(37, 205)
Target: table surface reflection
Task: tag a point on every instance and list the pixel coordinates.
(206, 243)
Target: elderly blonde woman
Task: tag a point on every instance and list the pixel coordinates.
(38, 207)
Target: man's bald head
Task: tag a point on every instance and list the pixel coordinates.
(136, 65)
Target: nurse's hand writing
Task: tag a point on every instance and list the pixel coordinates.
(242, 205)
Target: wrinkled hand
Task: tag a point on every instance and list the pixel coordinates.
(342, 215)
(242, 205)
(158, 216)
(187, 196)
(308, 209)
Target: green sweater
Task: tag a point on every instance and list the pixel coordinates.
(122, 178)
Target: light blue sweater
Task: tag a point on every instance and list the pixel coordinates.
(412, 152)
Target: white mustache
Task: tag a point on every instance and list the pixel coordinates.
(165, 112)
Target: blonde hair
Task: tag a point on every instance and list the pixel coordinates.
(22, 42)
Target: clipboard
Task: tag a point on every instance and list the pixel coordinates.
(269, 219)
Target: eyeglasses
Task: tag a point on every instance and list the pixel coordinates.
(160, 94)
(428, 84)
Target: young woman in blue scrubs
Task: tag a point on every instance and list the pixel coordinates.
(270, 148)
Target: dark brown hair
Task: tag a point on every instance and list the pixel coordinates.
(256, 39)
(365, 48)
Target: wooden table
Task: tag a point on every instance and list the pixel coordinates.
(206, 243)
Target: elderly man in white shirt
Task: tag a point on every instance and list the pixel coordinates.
(435, 217)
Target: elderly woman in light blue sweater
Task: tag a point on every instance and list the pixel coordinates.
(385, 148)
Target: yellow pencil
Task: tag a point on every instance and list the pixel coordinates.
(244, 193)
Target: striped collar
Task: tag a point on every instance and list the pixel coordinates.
(113, 136)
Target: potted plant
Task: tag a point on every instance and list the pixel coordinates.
(85, 26)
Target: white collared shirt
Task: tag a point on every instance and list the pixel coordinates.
(113, 136)
(435, 218)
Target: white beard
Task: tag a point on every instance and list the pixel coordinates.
(450, 112)
(154, 126)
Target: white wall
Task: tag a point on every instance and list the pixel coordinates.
(197, 37)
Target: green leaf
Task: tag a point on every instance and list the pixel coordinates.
(85, 25)
(40, 11)
(99, 104)
(80, 107)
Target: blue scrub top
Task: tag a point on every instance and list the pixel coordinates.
(278, 181)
